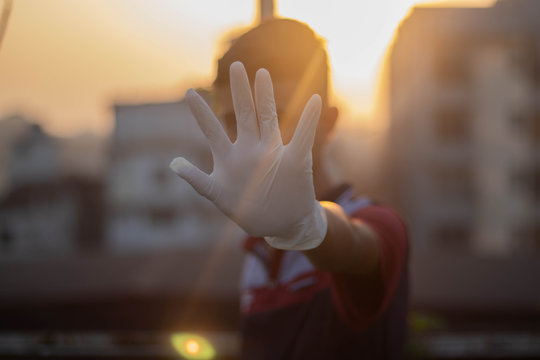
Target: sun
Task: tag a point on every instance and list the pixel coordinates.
(358, 34)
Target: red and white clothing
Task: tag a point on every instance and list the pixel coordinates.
(293, 311)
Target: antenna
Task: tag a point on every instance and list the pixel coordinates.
(267, 10)
(6, 11)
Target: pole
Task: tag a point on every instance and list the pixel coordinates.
(4, 18)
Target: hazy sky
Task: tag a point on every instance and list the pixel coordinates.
(65, 62)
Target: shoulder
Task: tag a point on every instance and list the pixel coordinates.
(386, 222)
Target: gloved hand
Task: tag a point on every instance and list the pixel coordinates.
(262, 185)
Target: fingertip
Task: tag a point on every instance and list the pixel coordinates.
(192, 174)
(179, 164)
(262, 72)
(190, 93)
(262, 76)
(236, 67)
(238, 74)
(315, 103)
(191, 96)
(316, 99)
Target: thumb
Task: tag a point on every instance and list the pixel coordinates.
(198, 179)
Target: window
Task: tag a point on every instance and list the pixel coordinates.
(536, 126)
(162, 216)
(451, 124)
(527, 181)
(452, 236)
(453, 180)
(6, 239)
(537, 65)
(451, 62)
(521, 124)
(536, 239)
(161, 176)
(526, 238)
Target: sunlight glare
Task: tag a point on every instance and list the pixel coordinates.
(69, 60)
(358, 34)
(192, 346)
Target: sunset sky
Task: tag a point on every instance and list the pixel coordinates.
(65, 62)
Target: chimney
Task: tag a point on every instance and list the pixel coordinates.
(266, 10)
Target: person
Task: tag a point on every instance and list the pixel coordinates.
(325, 276)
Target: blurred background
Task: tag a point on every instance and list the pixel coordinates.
(105, 253)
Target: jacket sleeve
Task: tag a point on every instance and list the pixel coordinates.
(361, 299)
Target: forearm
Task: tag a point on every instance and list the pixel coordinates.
(350, 246)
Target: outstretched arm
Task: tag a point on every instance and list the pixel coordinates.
(350, 246)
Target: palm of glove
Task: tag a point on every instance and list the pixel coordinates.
(265, 190)
(261, 184)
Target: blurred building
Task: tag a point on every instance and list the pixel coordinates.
(12, 127)
(133, 248)
(353, 156)
(149, 206)
(465, 113)
(464, 149)
(46, 211)
(464, 144)
(34, 158)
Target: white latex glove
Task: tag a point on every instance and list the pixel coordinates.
(262, 185)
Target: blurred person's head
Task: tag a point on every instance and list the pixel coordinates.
(298, 64)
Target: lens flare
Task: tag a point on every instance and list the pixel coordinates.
(192, 346)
